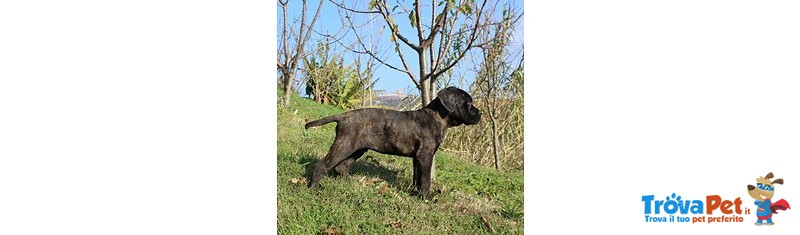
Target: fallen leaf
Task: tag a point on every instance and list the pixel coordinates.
(330, 231)
(302, 180)
(365, 181)
(376, 179)
(486, 222)
(396, 224)
(383, 189)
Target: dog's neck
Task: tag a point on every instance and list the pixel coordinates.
(440, 113)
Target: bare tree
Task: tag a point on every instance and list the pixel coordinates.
(293, 41)
(440, 42)
(496, 82)
(495, 74)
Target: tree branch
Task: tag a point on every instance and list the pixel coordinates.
(407, 70)
(438, 22)
(470, 45)
(433, 22)
(280, 67)
(392, 26)
(446, 41)
(418, 24)
(298, 47)
(284, 36)
(343, 7)
(304, 38)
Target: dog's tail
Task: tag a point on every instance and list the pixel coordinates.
(322, 121)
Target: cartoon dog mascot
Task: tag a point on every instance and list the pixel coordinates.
(763, 192)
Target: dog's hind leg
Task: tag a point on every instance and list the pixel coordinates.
(336, 154)
(343, 168)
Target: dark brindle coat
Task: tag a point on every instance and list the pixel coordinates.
(416, 134)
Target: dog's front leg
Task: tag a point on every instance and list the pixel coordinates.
(424, 175)
(417, 168)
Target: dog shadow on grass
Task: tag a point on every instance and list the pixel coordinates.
(367, 166)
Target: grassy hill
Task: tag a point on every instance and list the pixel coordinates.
(377, 198)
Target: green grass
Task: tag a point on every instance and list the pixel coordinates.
(378, 198)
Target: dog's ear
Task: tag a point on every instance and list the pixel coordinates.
(769, 176)
(459, 104)
(777, 181)
(451, 98)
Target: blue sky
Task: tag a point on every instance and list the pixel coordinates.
(389, 79)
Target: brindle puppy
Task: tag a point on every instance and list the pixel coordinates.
(416, 134)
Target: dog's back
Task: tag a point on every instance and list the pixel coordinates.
(363, 115)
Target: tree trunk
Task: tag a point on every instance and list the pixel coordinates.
(495, 140)
(287, 88)
(427, 95)
(317, 94)
(433, 88)
(424, 92)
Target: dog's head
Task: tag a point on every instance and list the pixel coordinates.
(764, 188)
(459, 104)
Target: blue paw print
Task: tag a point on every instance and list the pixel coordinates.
(674, 197)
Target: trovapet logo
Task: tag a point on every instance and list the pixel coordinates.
(715, 208)
(693, 211)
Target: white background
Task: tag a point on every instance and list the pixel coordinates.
(153, 117)
(137, 117)
(632, 98)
